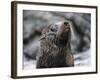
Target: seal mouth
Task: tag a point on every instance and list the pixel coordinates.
(67, 29)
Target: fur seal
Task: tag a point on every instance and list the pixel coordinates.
(55, 49)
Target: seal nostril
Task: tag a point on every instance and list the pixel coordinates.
(66, 23)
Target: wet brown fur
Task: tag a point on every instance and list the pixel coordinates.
(55, 49)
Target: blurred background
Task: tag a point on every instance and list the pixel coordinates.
(35, 21)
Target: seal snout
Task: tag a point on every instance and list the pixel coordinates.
(65, 23)
(67, 26)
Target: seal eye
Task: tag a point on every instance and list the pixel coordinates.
(53, 29)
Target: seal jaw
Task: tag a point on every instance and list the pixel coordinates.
(63, 33)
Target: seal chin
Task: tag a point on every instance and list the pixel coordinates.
(67, 29)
